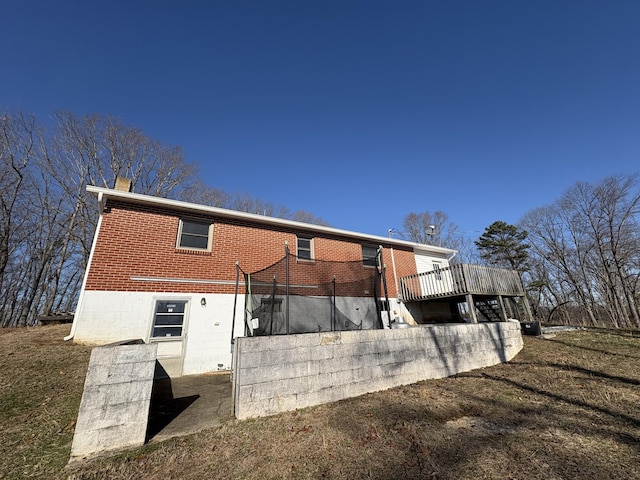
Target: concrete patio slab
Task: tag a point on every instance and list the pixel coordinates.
(189, 404)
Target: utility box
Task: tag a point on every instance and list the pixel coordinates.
(531, 328)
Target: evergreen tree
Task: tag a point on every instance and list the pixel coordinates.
(503, 245)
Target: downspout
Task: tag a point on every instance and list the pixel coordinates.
(235, 304)
(102, 204)
(382, 268)
(395, 274)
(286, 281)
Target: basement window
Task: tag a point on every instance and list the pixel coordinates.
(168, 319)
(195, 235)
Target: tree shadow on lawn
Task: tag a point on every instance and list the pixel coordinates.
(634, 422)
(591, 349)
(586, 371)
(471, 437)
(537, 432)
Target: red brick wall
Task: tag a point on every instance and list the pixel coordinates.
(138, 241)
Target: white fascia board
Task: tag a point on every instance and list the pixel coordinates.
(193, 208)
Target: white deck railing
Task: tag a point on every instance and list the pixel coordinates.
(461, 279)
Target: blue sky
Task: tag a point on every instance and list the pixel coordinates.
(356, 111)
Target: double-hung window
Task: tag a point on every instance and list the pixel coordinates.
(195, 235)
(369, 256)
(304, 247)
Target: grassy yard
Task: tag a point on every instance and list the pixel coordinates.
(567, 407)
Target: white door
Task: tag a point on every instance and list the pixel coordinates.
(168, 330)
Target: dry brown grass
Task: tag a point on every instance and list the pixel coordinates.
(41, 381)
(565, 408)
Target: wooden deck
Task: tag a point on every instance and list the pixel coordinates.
(460, 280)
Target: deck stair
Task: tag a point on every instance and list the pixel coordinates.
(489, 309)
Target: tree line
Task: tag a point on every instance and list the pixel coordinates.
(585, 254)
(579, 257)
(47, 219)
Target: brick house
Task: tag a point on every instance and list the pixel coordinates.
(166, 271)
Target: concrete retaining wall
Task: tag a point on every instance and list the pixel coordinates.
(114, 409)
(280, 373)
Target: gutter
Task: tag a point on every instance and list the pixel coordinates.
(177, 205)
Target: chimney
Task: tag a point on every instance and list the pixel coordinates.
(123, 184)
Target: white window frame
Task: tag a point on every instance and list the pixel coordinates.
(209, 234)
(311, 248)
(436, 268)
(185, 316)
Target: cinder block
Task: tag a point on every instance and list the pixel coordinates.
(322, 354)
(101, 356)
(336, 364)
(132, 354)
(98, 395)
(114, 409)
(353, 363)
(320, 381)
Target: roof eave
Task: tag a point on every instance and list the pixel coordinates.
(178, 205)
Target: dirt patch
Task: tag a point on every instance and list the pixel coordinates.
(479, 426)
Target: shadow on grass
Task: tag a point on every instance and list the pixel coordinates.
(590, 349)
(560, 398)
(586, 371)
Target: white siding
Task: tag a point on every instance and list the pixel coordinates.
(443, 283)
(107, 317)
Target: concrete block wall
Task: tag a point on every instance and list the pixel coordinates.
(280, 373)
(114, 409)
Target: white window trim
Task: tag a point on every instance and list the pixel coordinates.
(209, 235)
(437, 266)
(187, 302)
(311, 248)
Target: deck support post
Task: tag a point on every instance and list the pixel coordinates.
(472, 308)
(503, 312)
(527, 308)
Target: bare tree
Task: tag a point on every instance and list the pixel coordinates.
(202, 194)
(306, 217)
(433, 229)
(94, 150)
(17, 150)
(48, 220)
(589, 242)
(198, 192)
